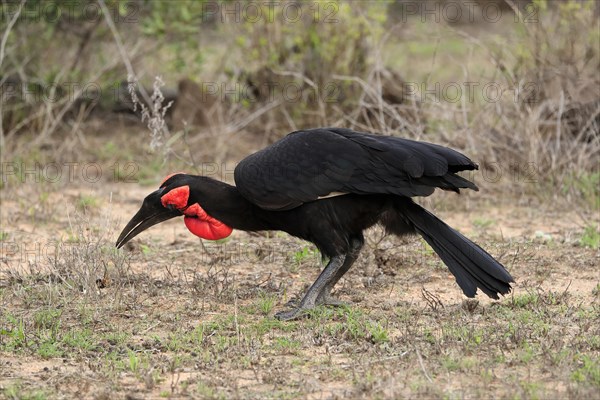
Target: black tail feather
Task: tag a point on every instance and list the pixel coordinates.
(472, 266)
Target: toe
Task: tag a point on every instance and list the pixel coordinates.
(289, 315)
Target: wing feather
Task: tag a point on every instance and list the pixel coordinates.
(306, 165)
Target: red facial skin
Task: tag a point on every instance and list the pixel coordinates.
(196, 219)
(177, 198)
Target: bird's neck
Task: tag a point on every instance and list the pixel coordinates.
(233, 209)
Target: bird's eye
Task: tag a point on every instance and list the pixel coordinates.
(176, 198)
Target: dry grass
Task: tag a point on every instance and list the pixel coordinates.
(170, 317)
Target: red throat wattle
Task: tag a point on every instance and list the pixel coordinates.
(203, 225)
(196, 219)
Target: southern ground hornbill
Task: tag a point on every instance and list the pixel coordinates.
(327, 186)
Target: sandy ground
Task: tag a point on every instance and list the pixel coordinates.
(175, 277)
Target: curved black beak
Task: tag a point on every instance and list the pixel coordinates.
(151, 213)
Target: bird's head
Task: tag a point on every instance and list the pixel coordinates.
(177, 195)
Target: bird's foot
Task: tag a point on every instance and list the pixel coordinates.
(329, 300)
(298, 310)
(292, 314)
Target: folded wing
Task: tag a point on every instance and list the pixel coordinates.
(306, 165)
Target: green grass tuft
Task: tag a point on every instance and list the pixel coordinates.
(590, 237)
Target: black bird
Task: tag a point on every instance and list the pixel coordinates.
(327, 186)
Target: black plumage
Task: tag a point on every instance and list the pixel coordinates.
(327, 186)
(308, 164)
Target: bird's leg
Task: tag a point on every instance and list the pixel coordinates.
(325, 297)
(310, 298)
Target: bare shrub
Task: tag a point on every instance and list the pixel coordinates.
(316, 74)
(154, 114)
(553, 121)
(88, 261)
